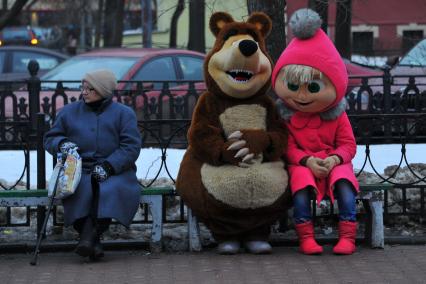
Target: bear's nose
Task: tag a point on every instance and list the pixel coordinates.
(247, 47)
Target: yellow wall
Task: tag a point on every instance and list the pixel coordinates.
(160, 38)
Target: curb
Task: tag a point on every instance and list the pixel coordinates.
(130, 245)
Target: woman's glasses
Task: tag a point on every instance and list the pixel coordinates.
(86, 89)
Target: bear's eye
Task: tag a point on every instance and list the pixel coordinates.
(315, 86)
(230, 33)
(253, 35)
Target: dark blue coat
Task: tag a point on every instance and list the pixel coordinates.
(110, 134)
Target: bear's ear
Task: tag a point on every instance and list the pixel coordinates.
(218, 20)
(262, 22)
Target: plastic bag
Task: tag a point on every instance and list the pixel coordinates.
(68, 174)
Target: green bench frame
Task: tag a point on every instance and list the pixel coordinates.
(152, 196)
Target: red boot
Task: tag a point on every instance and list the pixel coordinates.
(307, 243)
(347, 234)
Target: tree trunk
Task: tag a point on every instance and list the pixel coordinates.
(196, 39)
(342, 37)
(147, 24)
(275, 42)
(114, 14)
(173, 24)
(12, 13)
(321, 7)
(98, 28)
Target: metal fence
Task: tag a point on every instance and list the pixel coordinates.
(382, 110)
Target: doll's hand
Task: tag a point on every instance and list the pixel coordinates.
(331, 161)
(316, 165)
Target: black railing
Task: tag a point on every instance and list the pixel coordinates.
(382, 109)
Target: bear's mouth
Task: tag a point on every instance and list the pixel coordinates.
(240, 76)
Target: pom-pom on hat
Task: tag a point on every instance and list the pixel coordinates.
(312, 47)
(103, 81)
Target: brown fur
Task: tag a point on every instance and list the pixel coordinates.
(208, 142)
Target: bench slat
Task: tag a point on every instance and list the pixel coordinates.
(375, 187)
(19, 193)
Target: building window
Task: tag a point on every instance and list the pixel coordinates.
(410, 38)
(362, 43)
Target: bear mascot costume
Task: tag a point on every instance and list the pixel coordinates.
(232, 175)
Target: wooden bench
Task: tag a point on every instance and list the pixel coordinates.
(152, 196)
(372, 197)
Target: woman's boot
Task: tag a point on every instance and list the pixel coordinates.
(102, 226)
(307, 243)
(87, 238)
(347, 234)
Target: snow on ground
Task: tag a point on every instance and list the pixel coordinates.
(12, 162)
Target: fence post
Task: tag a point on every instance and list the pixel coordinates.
(34, 86)
(41, 167)
(387, 99)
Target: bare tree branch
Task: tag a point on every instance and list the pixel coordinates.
(173, 24)
(12, 13)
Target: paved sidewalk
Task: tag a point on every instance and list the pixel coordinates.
(394, 264)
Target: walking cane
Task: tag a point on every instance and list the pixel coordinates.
(95, 206)
(46, 218)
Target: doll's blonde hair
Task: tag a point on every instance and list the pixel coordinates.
(300, 74)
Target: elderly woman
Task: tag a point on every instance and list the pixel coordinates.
(108, 140)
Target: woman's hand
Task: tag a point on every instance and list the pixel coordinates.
(101, 172)
(66, 146)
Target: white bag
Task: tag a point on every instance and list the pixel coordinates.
(67, 173)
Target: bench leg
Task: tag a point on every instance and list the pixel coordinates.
(193, 232)
(155, 203)
(377, 227)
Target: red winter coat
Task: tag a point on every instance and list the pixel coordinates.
(312, 136)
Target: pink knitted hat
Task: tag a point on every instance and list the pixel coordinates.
(312, 47)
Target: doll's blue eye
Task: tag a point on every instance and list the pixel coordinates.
(315, 86)
(292, 87)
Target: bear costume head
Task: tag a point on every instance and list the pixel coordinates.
(238, 65)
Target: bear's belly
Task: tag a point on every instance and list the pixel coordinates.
(247, 188)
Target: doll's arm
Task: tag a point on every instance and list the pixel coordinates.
(345, 145)
(295, 155)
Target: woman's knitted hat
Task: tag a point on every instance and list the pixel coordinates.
(312, 47)
(103, 81)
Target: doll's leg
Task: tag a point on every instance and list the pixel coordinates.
(303, 222)
(345, 195)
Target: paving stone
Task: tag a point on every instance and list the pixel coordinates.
(394, 264)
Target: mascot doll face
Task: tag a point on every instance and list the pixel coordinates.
(237, 63)
(304, 88)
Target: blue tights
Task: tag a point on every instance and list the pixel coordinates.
(344, 193)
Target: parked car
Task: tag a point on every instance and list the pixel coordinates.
(14, 61)
(133, 64)
(413, 63)
(22, 35)
(410, 66)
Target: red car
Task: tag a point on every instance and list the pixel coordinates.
(152, 66)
